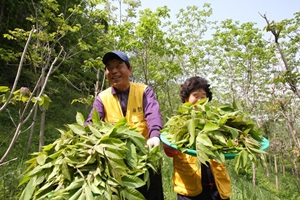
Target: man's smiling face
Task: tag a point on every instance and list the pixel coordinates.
(118, 73)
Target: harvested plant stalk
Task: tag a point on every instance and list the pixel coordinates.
(213, 130)
(98, 161)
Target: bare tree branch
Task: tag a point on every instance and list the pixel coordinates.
(19, 70)
(18, 130)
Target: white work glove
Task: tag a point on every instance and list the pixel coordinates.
(153, 142)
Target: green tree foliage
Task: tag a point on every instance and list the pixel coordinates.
(74, 25)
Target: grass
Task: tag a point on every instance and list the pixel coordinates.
(167, 173)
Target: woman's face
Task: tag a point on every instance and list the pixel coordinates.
(196, 96)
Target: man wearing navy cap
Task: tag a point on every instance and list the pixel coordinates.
(134, 101)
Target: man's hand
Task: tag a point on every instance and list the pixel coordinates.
(153, 142)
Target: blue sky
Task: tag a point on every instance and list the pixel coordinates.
(238, 10)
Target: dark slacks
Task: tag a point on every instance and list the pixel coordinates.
(155, 191)
(208, 193)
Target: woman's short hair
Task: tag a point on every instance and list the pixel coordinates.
(192, 84)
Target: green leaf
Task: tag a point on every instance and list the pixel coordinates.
(80, 119)
(96, 190)
(257, 151)
(95, 131)
(202, 149)
(224, 109)
(46, 187)
(131, 155)
(218, 136)
(54, 173)
(38, 99)
(203, 139)
(4, 88)
(77, 194)
(132, 181)
(202, 157)
(77, 183)
(234, 132)
(237, 161)
(223, 120)
(39, 168)
(29, 189)
(256, 135)
(65, 171)
(56, 154)
(244, 156)
(210, 127)
(191, 131)
(46, 101)
(41, 159)
(132, 194)
(24, 179)
(155, 150)
(113, 153)
(117, 164)
(88, 193)
(76, 128)
(48, 147)
(95, 116)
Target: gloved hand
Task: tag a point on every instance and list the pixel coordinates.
(153, 142)
(169, 151)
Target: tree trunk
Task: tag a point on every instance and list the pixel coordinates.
(267, 170)
(254, 174)
(42, 128)
(283, 168)
(97, 83)
(32, 128)
(276, 173)
(296, 169)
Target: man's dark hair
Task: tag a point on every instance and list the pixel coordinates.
(192, 84)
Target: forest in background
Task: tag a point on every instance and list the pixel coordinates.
(50, 68)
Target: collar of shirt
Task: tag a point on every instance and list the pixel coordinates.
(116, 91)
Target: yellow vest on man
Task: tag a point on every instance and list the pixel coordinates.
(187, 176)
(135, 112)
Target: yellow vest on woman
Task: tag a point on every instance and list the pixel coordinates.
(187, 176)
(135, 112)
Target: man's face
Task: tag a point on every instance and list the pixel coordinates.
(117, 73)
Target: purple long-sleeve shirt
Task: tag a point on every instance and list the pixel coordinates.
(150, 105)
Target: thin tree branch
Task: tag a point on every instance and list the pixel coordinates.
(18, 130)
(19, 70)
(5, 163)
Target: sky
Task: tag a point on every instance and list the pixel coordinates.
(238, 10)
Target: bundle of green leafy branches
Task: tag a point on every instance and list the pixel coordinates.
(97, 161)
(213, 130)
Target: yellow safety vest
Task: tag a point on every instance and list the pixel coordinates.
(135, 112)
(187, 176)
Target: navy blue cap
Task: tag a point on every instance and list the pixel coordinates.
(116, 54)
